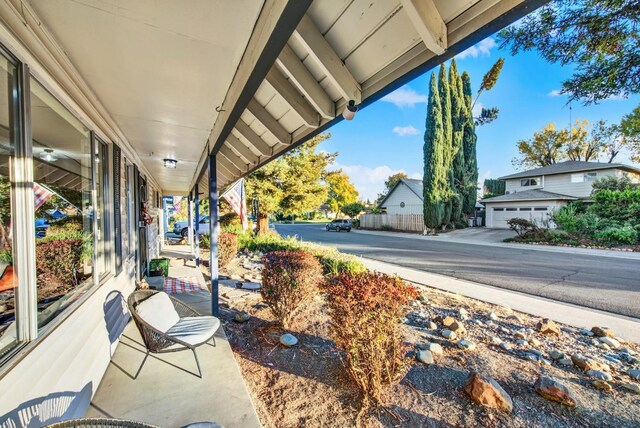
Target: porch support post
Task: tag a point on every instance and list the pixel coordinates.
(196, 237)
(190, 221)
(213, 233)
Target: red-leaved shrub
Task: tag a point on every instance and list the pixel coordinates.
(227, 248)
(365, 311)
(289, 279)
(58, 261)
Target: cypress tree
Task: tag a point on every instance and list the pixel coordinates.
(458, 116)
(434, 171)
(469, 139)
(444, 91)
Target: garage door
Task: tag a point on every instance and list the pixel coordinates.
(502, 215)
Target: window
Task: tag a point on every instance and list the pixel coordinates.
(64, 209)
(100, 151)
(511, 209)
(590, 176)
(498, 209)
(9, 335)
(540, 209)
(525, 182)
(525, 209)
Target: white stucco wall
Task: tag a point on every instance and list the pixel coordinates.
(402, 193)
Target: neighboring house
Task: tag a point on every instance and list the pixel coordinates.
(536, 193)
(405, 197)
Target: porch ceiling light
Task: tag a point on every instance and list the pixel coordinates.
(170, 163)
(48, 156)
(350, 111)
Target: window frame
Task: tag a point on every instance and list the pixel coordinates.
(530, 182)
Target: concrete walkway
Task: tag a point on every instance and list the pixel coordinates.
(494, 238)
(573, 315)
(168, 392)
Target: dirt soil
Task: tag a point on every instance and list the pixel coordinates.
(306, 386)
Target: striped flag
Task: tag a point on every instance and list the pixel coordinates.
(235, 197)
(40, 195)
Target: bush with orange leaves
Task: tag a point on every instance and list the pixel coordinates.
(365, 311)
(289, 279)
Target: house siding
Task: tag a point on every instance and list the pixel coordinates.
(551, 205)
(402, 193)
(561, 183)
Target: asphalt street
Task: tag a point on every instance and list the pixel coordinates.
(605, 283)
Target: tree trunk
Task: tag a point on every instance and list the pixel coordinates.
(263, 224)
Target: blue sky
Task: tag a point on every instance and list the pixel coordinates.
(387, 136)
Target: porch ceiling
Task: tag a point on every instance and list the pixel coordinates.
(161, 68)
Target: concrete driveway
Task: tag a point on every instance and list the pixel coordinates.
(481, 235)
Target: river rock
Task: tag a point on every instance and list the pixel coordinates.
(602, 385)
(448, 334)
(631, 387)
(565, 362)
(459, 328)
(597, 374)
(241, 316)
(553, 390)
(534, 341)
(547, 326)
(466, 344)
(602, 331)
(492, 316)
(556, 355)
(432, 326)
(486, 391)
(634, 373)
(522, 342)
(288, 340)
(611, 342)
(425, 357)
(434, 348)
(516, 318)
(586, 363)
(519, 335)
(495, 340)
(506, 346)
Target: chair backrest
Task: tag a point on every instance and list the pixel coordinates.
(154, 308)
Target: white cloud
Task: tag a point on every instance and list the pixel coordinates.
(555, 93)
(370, 181)
(403, 131)
(405, 97)
(479, 49)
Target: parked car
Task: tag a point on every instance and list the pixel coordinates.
(339, 224)
(180, 227)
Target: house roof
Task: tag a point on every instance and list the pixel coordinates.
(414, 185)
(569, 166)
(529, 195)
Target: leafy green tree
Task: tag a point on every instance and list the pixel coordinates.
(353, 209)
(469, 140)
(599, 38)
(302, 181)
(264, 186)
(444, 91)
(545, 148)
(341, 191)
(494, 187)
(458, 118)
(629, 130)
(435, 172)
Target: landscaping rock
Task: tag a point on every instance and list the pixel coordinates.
(547, 326)
(586, 332)
(634, 373)
(486, 391)
(495, 340)
(610, 342)
(519, 335)
(434, 348)
(531, 357)
(288, 339)
(586, 363)
(565, 362)
(543, 360)
(536, 352)
(492, 316)
(516, 318)
(506, 346)
(477, 322)
(448, 334)
(448, 321)
(602, 385)
(425, 357)
(463, 312)
(602, 331)
(431, 325)
(631, 387)
(553, 390)
(459, 328)
(535, 342)
(504, 330)
(466, 344)
(556, 355)
(242, 316)
(522, 342)
(597, 374)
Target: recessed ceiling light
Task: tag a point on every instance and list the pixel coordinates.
(48, 156)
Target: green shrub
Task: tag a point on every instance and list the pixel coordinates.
(331, 259)
(558, 236)
(205, 241)
(567, 218)
(59, 261)
(355, 223)
(618, 235)
(611, 182)
(618, 205)
(365, 311)
(227, 248)
(522, 226)
(230, 222)
(67, 225)
(289, 279)
(5, 256)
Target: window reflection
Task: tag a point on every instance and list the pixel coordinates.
(63, 209)
(8, 278)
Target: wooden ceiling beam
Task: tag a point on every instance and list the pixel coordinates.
(428, 23)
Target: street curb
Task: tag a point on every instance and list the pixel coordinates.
(548, 248)
(577, 316)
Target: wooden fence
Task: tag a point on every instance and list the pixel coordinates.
(404, 222)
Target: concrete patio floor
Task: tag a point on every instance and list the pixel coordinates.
(168, 392)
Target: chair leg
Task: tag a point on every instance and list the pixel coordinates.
(197, 362)
(140, 368)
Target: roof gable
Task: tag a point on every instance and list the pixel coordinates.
(414, 185)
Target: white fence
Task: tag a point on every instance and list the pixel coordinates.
(404, 222)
